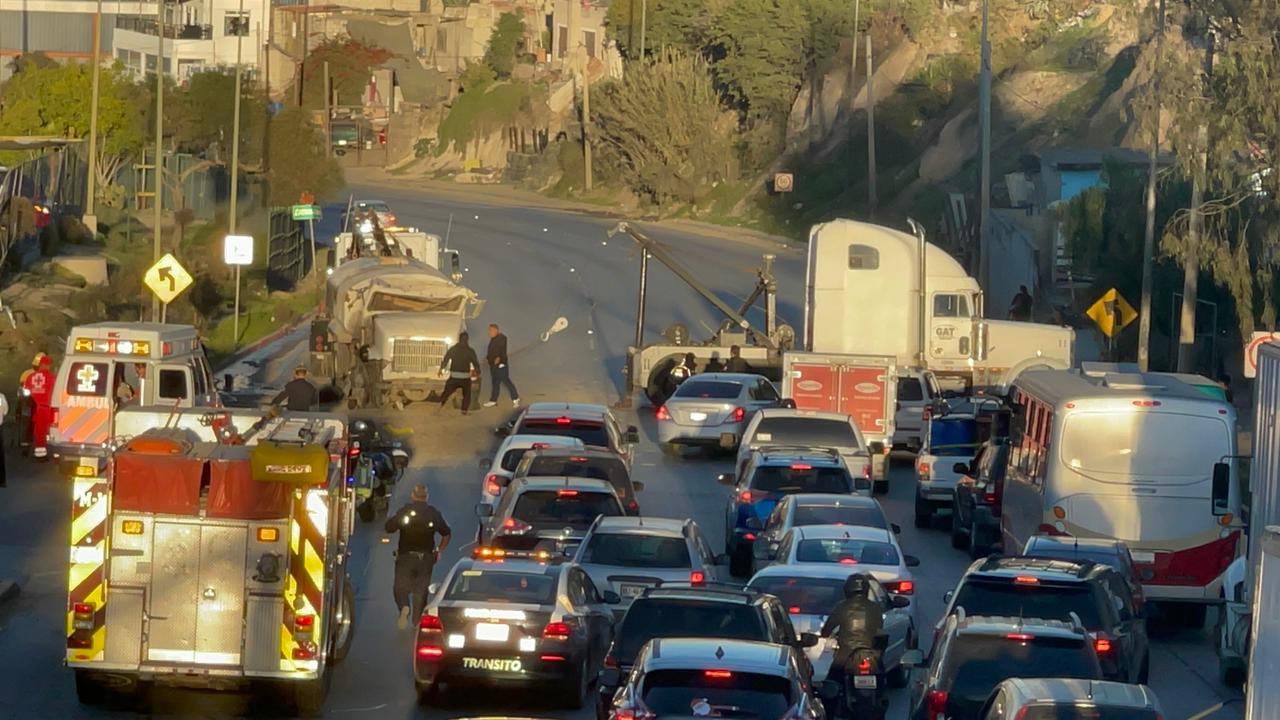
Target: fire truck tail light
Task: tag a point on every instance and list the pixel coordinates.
(268, 534)
(305, 651)
(83, 613)
(83, 608)
(131, 527)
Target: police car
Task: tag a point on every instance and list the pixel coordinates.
(505, 617)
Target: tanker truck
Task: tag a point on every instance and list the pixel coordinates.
(384, 328)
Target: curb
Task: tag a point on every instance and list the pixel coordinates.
(9, 590)
(262, 342)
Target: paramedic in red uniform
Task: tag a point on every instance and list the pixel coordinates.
(38, 386)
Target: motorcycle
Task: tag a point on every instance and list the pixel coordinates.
(375, 465)
(860, 693)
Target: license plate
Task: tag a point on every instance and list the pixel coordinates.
(697, 416)
(1143, 556)
(631, 591)
(864, 682)
(493, 632)
(506, 665)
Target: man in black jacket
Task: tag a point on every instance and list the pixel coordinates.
(299, 394)
(464, 368)
(499, 367)
(855, 622)
(416, 554)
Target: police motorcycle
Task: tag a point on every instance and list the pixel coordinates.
(858, 690)
(375, 465)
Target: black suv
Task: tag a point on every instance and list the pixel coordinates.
(1095, 594)
(975, 508)
(699, 611)
(583, 463)
(973, 654)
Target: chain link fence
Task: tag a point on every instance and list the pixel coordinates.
(288, 253)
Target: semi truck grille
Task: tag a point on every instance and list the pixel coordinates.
(417, 356)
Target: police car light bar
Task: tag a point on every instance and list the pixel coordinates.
(496, 553)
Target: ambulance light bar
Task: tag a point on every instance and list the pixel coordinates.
(112, 347)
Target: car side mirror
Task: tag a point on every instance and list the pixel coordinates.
(484, 463)
(727, 479)
(753, 523)
(901, 601)
(611, 597)
(946, 596)
(433, 588)
(502, 431)
(788, 403)
(961, 468)
(911, 561)
(637, 486)
(913, 658)
(896, 528)
(633, 435)
(1221, 496)
(484, 510)
(808, 640)
(609, 677)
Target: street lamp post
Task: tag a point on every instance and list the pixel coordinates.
(984, 173)
(158, 200)
(90, 216)
(235, 162)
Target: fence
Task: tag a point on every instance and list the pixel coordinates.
(288, 252)
(203, 191)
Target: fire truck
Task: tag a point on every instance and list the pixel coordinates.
(210, 550)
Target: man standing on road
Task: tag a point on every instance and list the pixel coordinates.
(1020, 308)
(416, 554)
(299, 395)
(499, 367)
(464, 368)
(736, 364)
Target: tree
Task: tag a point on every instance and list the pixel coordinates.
(684, 25)
(44, 100)
(32, 59)
(201, 119)
(664, 128)
(296, 156)
(350, 63)
(504, 42)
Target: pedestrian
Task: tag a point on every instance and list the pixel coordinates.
(463, 367)
(736, 364)
(715, 364)
(299, 394)
(418, 523)
(4, 410)
(1020, 308)
(499, 367)
(38, 386)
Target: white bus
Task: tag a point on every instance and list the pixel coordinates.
(1143, 458)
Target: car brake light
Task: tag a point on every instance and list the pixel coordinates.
(430, 623)
(745, 496)
(493, 485)
(717, 674)
(1101, 646)
(864, 666)
(1020, 637)
(632, 714)
(901, 587)
(749, 536)
(562, 420)
(794, 609)
(556, 631)
(937, 704)
(989, 497)
(663, 413)
(633, 505)
(566, 493)
(430, 652)
(801, 466)
(848, 561)
(697, 577)
(610, 661)
(540, 446)
(354, 450)
(514, 526)
(866, 471)
(1026, 580)
(739, 414)
(923, 469)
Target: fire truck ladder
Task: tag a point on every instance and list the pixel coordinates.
(296, 431)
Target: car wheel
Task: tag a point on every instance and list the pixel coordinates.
(958, 539)
(428, 693)
(671, 449)
(1145, 672)
(923, 514)
(976, 549)
(575, 687)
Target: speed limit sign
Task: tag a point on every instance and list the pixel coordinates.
(782, 182)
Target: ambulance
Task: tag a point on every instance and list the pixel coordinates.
(210, 551)
(112, 365)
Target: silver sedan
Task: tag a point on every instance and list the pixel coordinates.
(714, 408)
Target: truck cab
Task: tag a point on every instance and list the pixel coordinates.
(107, 366)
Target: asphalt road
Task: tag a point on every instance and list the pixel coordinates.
(532, 266)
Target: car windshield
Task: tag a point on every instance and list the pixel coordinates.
(726, 694)
(1067, 552)
(1086, 712)
(577, 509)
(801, 478)
(650, 618)
(847, 551)
(807, 431)
(636, 551)
(708, 390)
(801, 595)
(589, 432)
(1014, 599)
(860, 515)
(980, 662)
(506, 587)
(953, 438)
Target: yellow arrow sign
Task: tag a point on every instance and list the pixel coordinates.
(167, 278)
(1112, 313)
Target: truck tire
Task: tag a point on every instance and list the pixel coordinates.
(923, 514)
(344, 633)
(309, 695)
(89, 688)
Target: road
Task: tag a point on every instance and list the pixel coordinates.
(532, 266)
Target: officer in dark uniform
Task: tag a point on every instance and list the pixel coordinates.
(299, 394)
(418, 524)
(855, 621)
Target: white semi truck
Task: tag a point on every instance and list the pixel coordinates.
(874, 290)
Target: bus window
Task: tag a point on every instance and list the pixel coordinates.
(173, 384)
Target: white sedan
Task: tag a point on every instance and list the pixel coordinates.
(712, 409)
(870, 550)
(502, 466)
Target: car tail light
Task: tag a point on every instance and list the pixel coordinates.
(794, 609)
(632, 714)
(354, 450)
(551, 658)
(493, 485)
(306, 650)
(1026, 580)
(430, 623)
(989, 497)
(512, 526)
(866, 471)
(864, 666)
(566, 493)
(557, 631)
(901, 587)
(663, 413)
(697, 577)
(801, 466)
(610, 661)
(922, 469)
(562, 420)
(633, 505)
(739, 414)
(1147, 403)
(937, 704)
(717, 674)
(749, 536)
(430, 652)
(1020, 637)
(303, 625)
(1051, 530)
(745, 496)
(848, 561)
(1102, 645)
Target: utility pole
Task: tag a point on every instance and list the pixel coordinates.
(984, 144)
(1149, 242)
(328, 113)
(306, 47)
(586, 128)
(90, 210)
(235, 169)
(644, 22)
(871, 134)
(853, 71)
(1195, 232)
(158, 200)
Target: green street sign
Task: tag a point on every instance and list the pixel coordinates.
(305, 212)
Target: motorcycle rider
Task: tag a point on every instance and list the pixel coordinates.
(855, 621)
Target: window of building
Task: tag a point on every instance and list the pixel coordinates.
(589, 40)
(235, 23)
(442, 39)
(562, 40)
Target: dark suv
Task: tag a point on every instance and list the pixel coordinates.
(973, 654)
(975, 509)
(1095, 594)
(698, 611)
(583, 463)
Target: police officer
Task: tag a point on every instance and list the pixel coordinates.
(299, 394)
(418, 524)
(855, 621)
